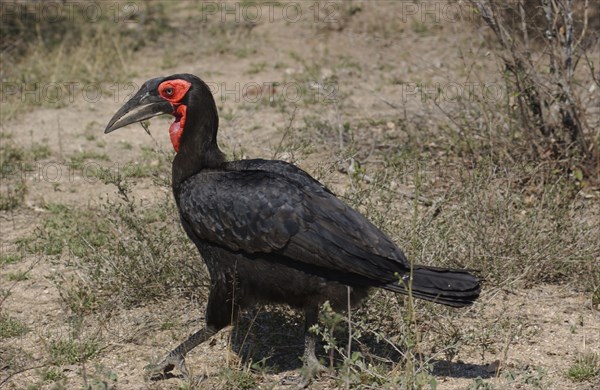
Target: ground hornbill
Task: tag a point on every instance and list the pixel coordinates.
(268, 231)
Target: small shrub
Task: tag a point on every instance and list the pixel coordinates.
(130, 252)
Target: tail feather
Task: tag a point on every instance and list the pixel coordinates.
(449, 287)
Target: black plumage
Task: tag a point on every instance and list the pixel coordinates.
(269, 232)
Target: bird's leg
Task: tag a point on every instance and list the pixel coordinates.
(176, 358)
(312, 365)
(218, 316)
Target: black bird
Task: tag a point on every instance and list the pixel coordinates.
(268, 231)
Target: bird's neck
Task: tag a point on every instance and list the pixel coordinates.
(198, 151)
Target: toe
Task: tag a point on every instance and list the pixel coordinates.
(166, 366)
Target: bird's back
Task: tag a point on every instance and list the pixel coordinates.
(294, 236)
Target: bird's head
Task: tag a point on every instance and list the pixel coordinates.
(184, 96)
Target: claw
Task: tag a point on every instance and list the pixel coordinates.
(166, 366)
(176, 357)
(311, 370)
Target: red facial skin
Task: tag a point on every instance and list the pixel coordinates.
(174, 91)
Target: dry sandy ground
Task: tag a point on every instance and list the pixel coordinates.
(544, 327)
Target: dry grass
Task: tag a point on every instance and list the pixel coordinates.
(58, 52)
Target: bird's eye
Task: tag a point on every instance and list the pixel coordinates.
(169, 91)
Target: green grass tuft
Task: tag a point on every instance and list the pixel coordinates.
(71, 351)
(11, 327)
(586, 367)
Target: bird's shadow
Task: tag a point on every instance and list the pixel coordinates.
(272, 339)
(444, 368)
(269, 338)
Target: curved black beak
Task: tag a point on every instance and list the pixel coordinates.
(140, 107)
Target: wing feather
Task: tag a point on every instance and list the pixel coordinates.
(263, 206)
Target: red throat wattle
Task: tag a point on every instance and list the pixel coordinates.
(176, 128)
(174, 91)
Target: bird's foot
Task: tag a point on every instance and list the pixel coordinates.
(312, 368)
(160, 370)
